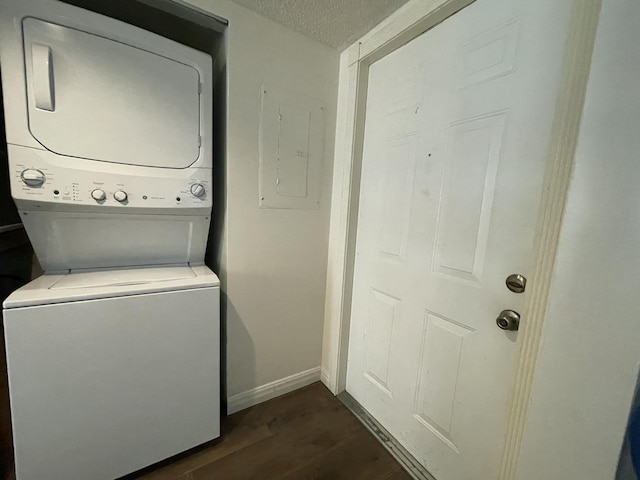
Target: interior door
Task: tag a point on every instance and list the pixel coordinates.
(457, 129)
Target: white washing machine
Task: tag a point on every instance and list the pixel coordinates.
(110, 372)
(113, 354)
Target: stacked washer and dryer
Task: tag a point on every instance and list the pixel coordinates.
(112, 354)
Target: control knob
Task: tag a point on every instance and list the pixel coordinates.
(197, 190)
(32, 177)
(120, 196)
(98, 195)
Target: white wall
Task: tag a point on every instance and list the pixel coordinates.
(590, 353)
(275, 267)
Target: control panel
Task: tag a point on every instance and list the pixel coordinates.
(37, 180)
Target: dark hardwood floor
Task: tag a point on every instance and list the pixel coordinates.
(306, 434)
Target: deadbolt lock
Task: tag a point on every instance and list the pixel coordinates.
(508, 320)
(516, 283)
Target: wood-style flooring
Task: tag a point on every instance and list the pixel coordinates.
(304, 435)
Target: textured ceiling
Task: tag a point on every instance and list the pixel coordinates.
(337, 23)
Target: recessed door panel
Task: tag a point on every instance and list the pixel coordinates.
(95, 98)
(395, 191)
(440, 354)
(383, 314)
(467, 196)
(488, 55)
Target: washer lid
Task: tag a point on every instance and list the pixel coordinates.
(95, 98)
(89, 286)
(112, 278)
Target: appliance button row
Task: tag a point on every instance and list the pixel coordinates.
(99, 195)
(35, 178)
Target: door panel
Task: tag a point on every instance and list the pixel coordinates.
(382, 318)
(396, 182)
(473, 153)
(457, 129)
(440, 354)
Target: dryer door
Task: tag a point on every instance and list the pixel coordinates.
(96, 98)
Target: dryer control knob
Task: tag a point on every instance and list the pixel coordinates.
(197, 190)
(32, 177)
(120, 196)
(98, 195)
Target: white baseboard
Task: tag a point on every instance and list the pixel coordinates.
(271, 390)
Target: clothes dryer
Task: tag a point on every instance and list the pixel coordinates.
(109, 133)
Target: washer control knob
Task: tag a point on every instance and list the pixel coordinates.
(32, 177)
(197, 190)
(120, 196)
(98, 195)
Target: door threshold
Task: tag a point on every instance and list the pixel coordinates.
(388, 441)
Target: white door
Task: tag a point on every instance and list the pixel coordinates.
(457, 130)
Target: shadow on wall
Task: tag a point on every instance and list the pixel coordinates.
(15, 270)
(153, 19)
(8, 212)
(629, 463)
(243, 359)
(215, 253)
(16, 259)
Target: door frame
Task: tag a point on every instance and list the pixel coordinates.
(410, 21)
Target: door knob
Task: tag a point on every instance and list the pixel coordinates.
(508, 320)
(516, 283)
